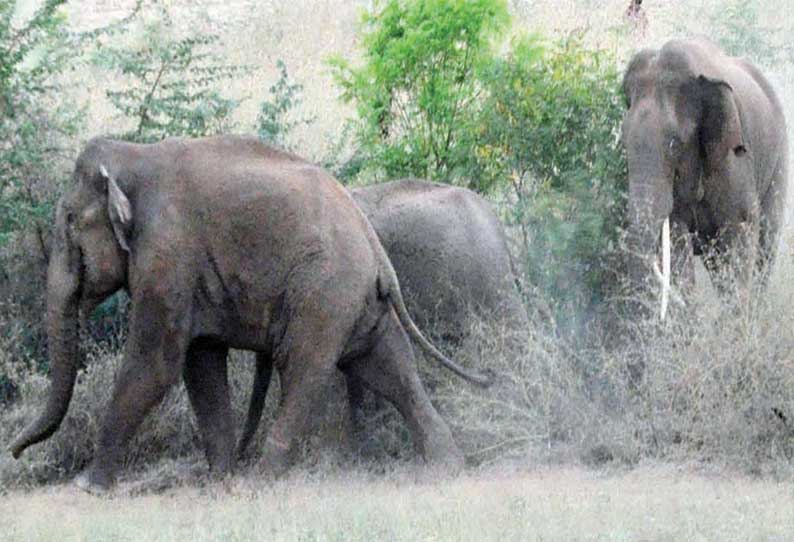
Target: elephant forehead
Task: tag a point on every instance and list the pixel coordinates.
(664, 112)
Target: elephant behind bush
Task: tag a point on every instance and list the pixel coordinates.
(708, 151)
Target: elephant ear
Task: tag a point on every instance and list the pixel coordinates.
(720, 124)
(119, 209)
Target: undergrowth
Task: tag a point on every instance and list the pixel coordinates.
(712, 384)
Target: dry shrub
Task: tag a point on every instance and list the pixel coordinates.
(165, 433)
(713, 383)
(715, 386)
(167, 443)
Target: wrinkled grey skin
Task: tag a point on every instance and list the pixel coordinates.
(450, 253)
(706, 145)
(451, 257)
(224, 242)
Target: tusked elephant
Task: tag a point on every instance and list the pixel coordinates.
(451, 256)
(225, 242)
(707, 149)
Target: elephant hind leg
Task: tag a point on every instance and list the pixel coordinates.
(207, 383)
(306, 360)
(364, 445)
(390, 371)
(263, 373)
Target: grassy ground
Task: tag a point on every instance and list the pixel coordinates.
(649, 503)
(709, 394)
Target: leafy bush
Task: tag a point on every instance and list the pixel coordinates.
(416, 88)
(274, 123)
(539, 123)
(548, 132)
(34, 127)
(37, 122)
(172, 83)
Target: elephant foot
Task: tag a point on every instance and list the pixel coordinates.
(444, 457)
(85, 482)
(276, 459)
(221, 465)
(449, 464)
(367, 447)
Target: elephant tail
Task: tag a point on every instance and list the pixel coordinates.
(391, 289)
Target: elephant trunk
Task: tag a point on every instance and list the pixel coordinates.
(63, 294)
(649, 221)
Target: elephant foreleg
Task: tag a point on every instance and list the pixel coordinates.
(773, 217)
(207, 383)
(153, 359)
(683, 260)
(731, 262)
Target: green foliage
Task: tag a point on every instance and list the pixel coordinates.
(37, 122)
(434, 101)
(171, 83)
(549, 130)
(416, 84)
(274, 123)
(34, 126)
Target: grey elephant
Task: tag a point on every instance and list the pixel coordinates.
(451, 256)
(450, 253)
(707, 154)
(224, 242)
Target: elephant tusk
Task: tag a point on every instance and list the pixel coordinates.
(665, 267)
(663, 275)
(675, 297)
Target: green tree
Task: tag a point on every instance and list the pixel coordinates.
(172, 83)
(35, 127)
(415, 87)
(548, 131)
(275, 122)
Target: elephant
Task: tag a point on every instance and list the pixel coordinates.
(450, 253)
(707, 150)
(452, 259)
(224, 242)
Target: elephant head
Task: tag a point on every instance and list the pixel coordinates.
(682, 127)
(87, 264)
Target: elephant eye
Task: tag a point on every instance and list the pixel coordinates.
(70, 218)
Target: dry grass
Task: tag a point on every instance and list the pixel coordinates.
(716, 389)
(649, 503)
